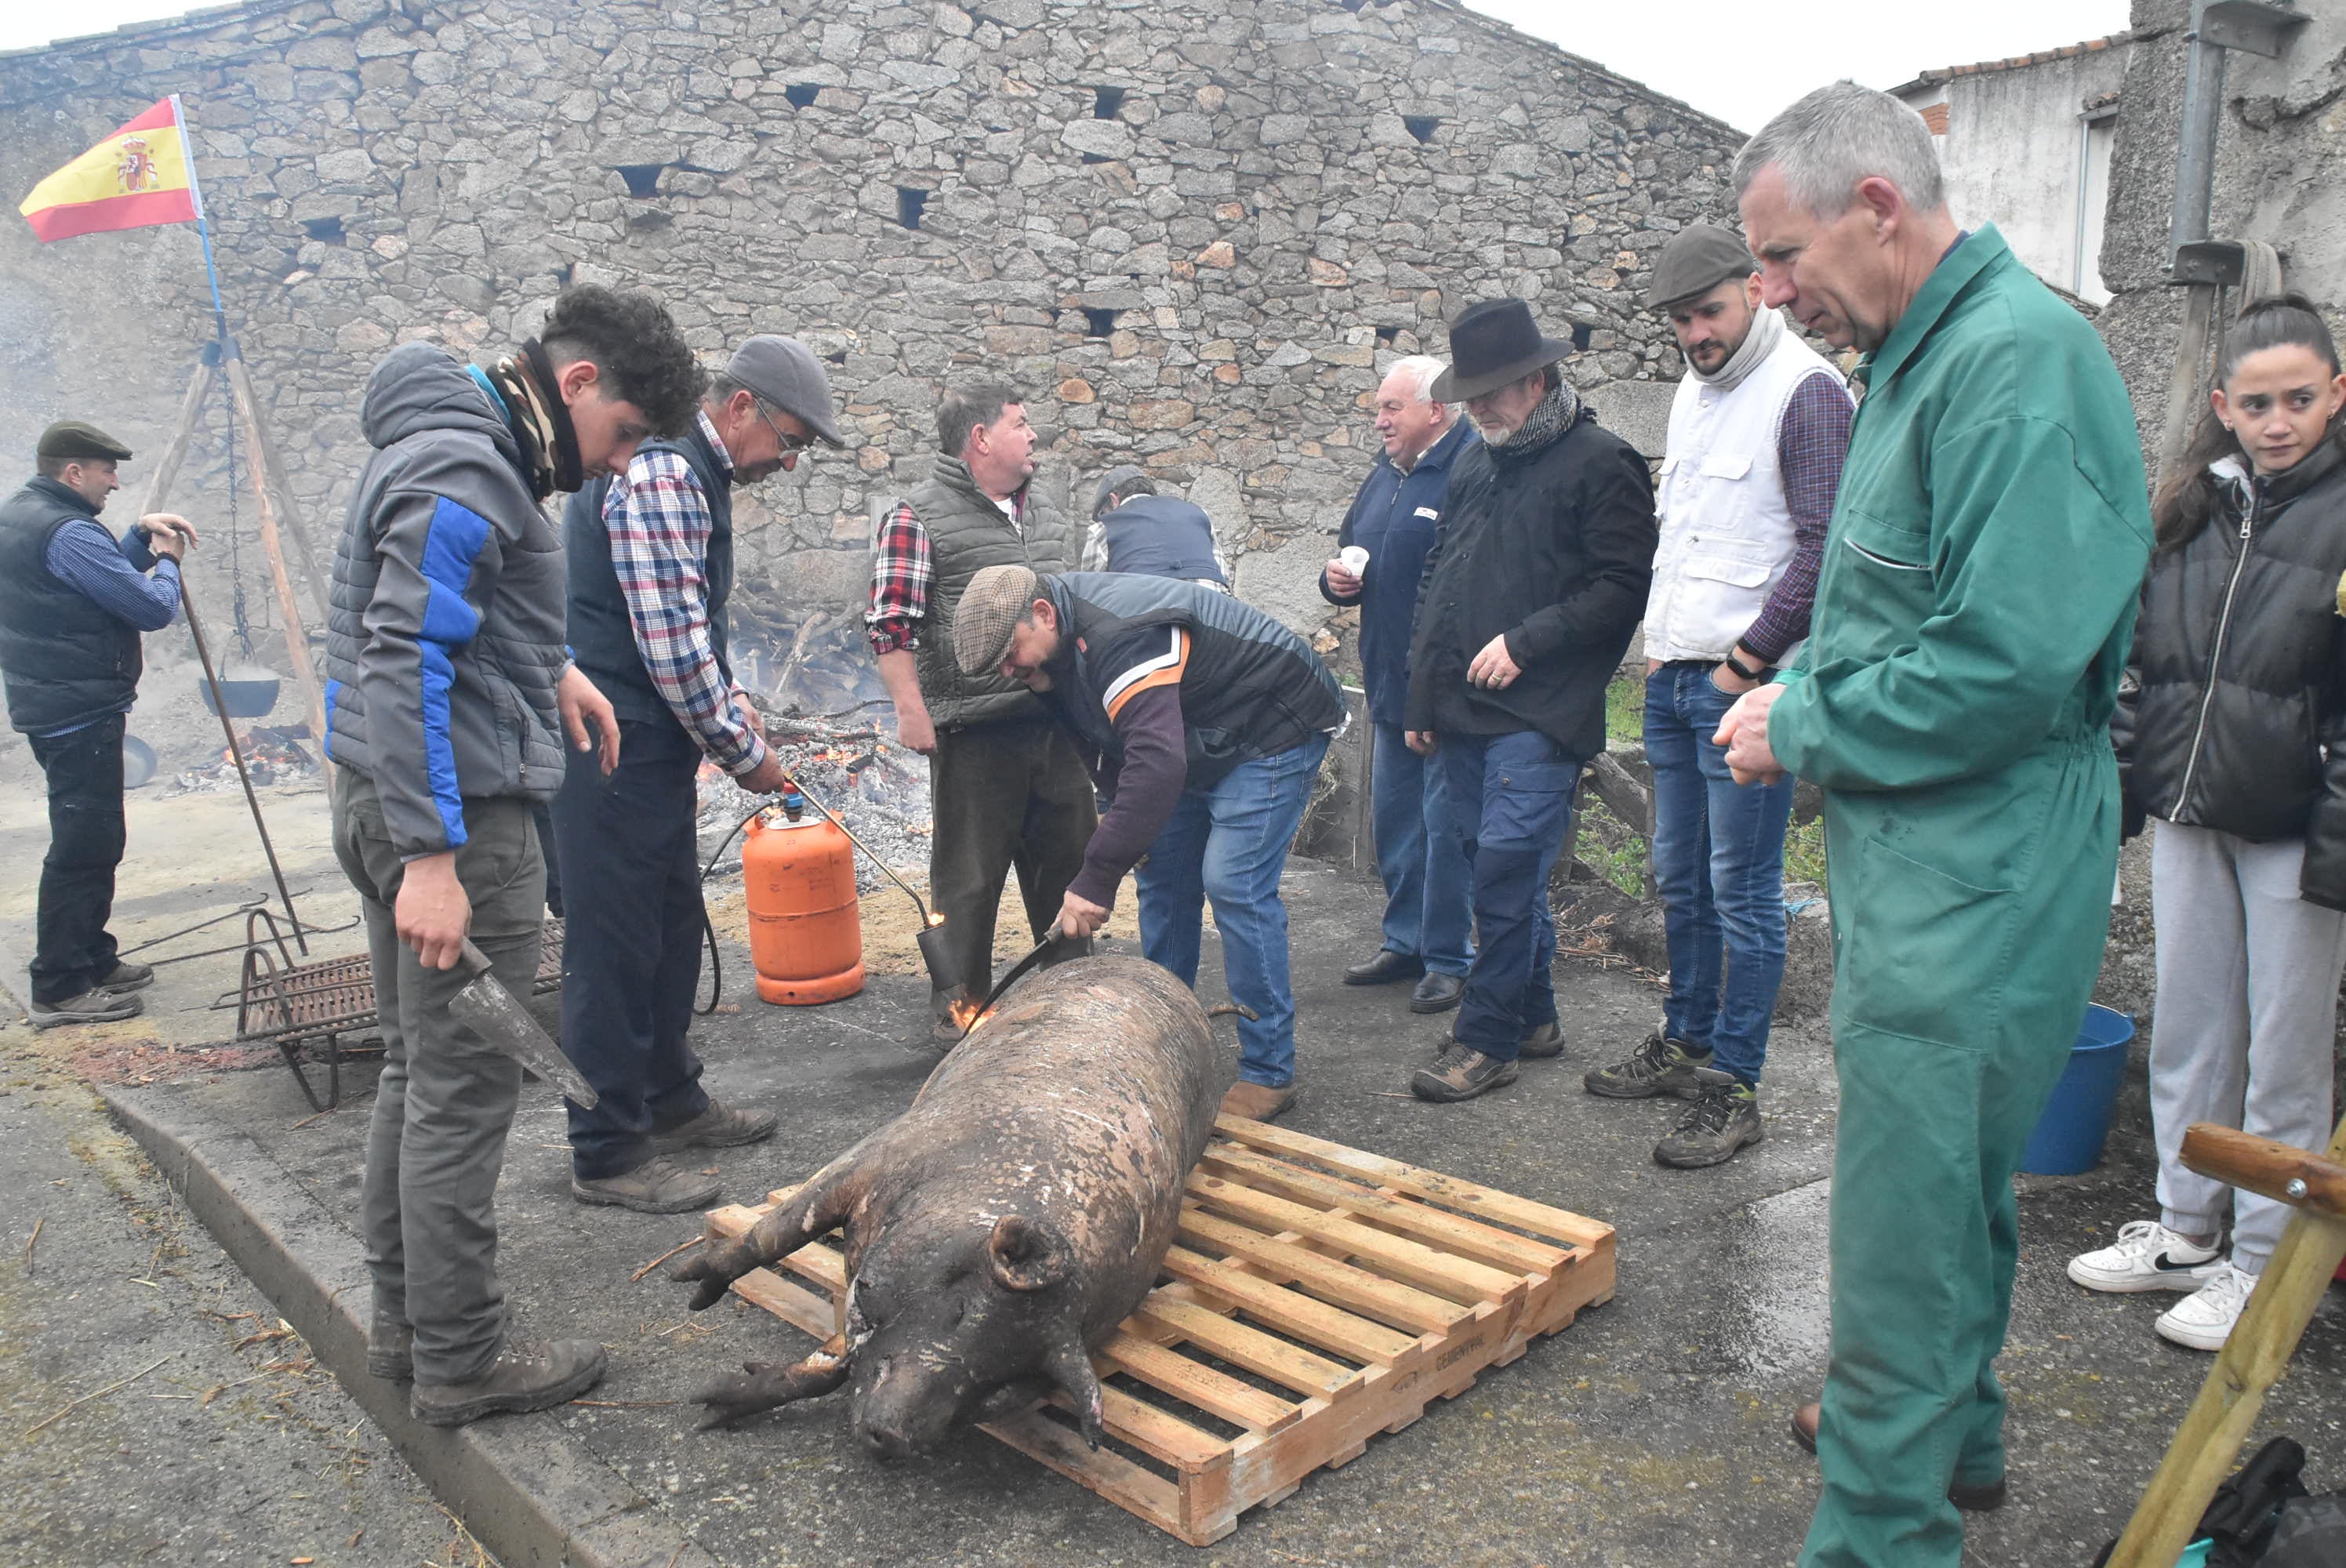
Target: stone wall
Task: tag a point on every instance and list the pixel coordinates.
(1193, 230)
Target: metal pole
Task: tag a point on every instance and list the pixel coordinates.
(2194, 157)
(236, 753)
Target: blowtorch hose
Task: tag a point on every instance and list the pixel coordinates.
(885, 868)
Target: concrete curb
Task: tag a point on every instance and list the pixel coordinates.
(531, 1492)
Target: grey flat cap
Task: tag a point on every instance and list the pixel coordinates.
(72, 438)
(785, 372)
(1118, 481)
(1699, 259)
(991, 607)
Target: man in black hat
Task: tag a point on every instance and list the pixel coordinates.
(1135, 529)
(651, 568)
(1536, 581)
(1757, 436)
(73, 602)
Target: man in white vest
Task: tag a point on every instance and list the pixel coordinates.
(1757, 437)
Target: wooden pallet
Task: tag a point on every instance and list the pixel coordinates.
(1317, 1296)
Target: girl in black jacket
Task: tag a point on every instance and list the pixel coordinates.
(2235, 743)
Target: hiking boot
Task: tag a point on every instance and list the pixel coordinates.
(96, 1005)
(2203, 1320)
(391, 1351)
(1662, 1066)
(1259, 1102)
(126, 976)
(527, 1376)
(1722, 1121)
(2147, 1256)
(1972, 1497)
(655, 1186)
(718, 1127)
(1543, 1041)
(1460, 1073)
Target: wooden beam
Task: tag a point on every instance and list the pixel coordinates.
(2291, 1176)
(297, 634)
(270, 481)
(175, 451)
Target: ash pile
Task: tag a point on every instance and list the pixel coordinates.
(845, 763)
(274, 754)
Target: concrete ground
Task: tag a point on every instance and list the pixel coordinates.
(1650, 1433)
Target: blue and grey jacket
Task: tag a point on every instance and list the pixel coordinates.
(444, 646)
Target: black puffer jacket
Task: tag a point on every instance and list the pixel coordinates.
(1553, 549)
(2239, 723)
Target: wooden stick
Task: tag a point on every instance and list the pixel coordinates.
(271, 482)
(175, 452)
(2286, 1175)
(29, 1242)
(297, 637)
(99, 1394)
(664, 1256)
(2246, 1369)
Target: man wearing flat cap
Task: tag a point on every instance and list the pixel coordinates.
(651, 568)
(1135, 529)
(1204, 722)
(1758, 432)
(1536, 581)
(73, 603)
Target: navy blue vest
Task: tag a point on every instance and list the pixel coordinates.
(1159, 536)
(602, 637)
(67, 659)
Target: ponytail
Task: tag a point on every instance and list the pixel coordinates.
(2190, 496)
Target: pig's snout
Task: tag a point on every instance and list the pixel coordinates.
(906, 1410)
(886, 1445)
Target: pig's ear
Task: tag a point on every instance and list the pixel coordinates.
(1027, 1255)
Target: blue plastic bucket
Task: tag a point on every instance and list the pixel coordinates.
(2076, 1121)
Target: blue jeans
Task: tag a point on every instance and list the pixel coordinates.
(1429, 908)
(1511, 801)
(1718, 864)
(1230, 843)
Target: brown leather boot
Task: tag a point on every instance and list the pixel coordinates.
(1258, 1102)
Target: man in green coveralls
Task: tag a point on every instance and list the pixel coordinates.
(1953, 703)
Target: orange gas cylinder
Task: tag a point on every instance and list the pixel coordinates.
(806, 933)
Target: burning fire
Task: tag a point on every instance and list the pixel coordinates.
(966, 1015)
(936, 919)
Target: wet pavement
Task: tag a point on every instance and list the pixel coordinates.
(1652, 1432)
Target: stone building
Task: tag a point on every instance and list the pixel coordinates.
(1191, 228)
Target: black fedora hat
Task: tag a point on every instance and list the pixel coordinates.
(1493, 343)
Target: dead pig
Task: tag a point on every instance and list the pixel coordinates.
(1005, 1223)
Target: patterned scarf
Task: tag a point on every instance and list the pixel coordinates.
(539, 420)
(1554, 415)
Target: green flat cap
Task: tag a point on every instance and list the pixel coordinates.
(991, 607)
(72, 438)
(1699, 259)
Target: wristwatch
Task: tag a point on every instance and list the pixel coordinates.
(1745, 671)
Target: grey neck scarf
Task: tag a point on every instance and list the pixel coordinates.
(1552, 417)
(1767, 331)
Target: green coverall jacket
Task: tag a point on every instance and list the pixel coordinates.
(1972, 621)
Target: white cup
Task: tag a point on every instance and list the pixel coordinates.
(1356, 559)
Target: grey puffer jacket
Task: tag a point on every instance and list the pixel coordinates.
(2238, 722)
(445, 644)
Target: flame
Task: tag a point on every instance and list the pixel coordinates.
(966, 1015)
(936, 919)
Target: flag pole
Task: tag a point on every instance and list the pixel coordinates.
(203, 218)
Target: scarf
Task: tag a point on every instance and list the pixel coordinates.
(1767, 331)
(1551, 418)
(540, 421)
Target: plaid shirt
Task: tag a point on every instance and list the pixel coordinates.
(659, 522)
(903, 569)
(1811, 441)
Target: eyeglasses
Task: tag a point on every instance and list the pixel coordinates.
(790, 444)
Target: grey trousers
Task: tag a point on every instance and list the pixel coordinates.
(2248, 1001)
(445, 1100)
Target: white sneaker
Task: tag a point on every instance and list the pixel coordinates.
(2147, 1256)
(2203, 1320)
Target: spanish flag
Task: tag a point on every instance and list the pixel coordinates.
(142, 175)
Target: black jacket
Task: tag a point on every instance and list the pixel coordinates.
(2238, 721)
(1555, 550)
(67, 659)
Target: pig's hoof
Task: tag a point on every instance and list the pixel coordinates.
(713, 1280)
(731, 1399)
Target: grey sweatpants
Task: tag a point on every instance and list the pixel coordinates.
(445, 1099)
(2248, 998)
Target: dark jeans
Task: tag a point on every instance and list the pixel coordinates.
(72, 949)
(1429, 905)
(1510, 805)
(1229, 844)
(631, 954)
(1719, 864)
(446, 1101)
(1006, 795)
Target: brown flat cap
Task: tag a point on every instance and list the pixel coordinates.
(991, 607)
(71, 438)
(1699, 259)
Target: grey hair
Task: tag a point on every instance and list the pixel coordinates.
(1838, 136)
(1417, 373)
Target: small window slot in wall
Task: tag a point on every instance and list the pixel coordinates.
(1581, 333)
(1098, 323)
(1106, 101)
(1098, 158)
(909, 200)
(329, 230)
(1421, 127)
(643, 178)
(800, 94)
(1353, 5)
(1385, 336)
